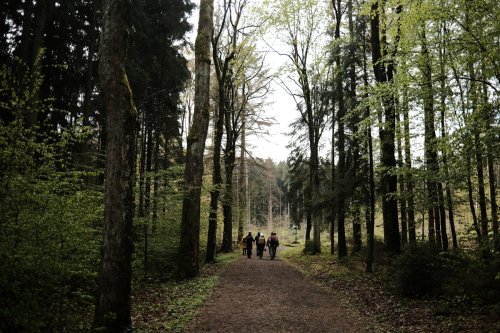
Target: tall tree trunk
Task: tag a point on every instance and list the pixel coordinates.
(142, 169)
(84, 159)
(402, 184)
(341, 166)
(334, 187)
(242, 186)
(156, 183)
(149, 159)
(370, 222)
(112, 311)
(476, 128)
(443, 95)
(412, 234)
(470, 193)
(388, 183)
(490, 159)
(216, 183)
(227, 205)
(476, 125)
(147, 193)
(188, 252)
(442, 214)
(430, 144)
(488, 116)
(494, 207)
(313, 188)
(356, 222)
(222, 71)
(308, 209)
(270, 208)
(480, 185)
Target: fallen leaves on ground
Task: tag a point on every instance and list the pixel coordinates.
(387, 312)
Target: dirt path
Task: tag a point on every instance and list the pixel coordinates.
(271, 296)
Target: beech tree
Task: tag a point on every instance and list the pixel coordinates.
(188, 251)
(301, 26)
(383, 68)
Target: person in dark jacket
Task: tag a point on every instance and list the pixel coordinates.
(272, 243)
(249, 241)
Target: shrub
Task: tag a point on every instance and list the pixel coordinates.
(420, 271)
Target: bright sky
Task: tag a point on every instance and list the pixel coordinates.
(280, 107)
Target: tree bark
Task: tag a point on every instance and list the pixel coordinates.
(341, 166)
(449, 198)
(430, 146)
(333, 210)
(412, 234)
(156, 182)
(470, 193)
(402, 185)
(227, 205)
(370, 221)
(494, 206)
(83, 158)
(388, 183)
(112, 310)
(476, 128)
(355, 142)
(216, 183)
(188, 252)
(242, 186)
(443, 95)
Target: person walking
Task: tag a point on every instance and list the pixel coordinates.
(261, 244)
(272, 244)
(244, 245)
(249, 242)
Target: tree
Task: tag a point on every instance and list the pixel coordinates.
(383, 68)
(188, 251)
(113, 302)
(301, 24)
(436, 216)
(222, 55)
(340, 181)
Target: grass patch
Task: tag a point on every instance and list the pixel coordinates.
(168, 307)
(323, 265)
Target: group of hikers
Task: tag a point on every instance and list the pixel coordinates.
(260, 241)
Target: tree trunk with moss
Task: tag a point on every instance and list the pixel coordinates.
(188, 251)
(112, 311)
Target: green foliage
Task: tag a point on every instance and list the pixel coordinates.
(48, 243)
(420, 271)
(163, 234)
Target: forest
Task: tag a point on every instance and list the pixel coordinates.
(126, 167)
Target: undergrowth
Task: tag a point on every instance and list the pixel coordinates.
(168, 307)
(420, 290)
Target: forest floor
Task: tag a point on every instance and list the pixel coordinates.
(267, 295)
(298, 293)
